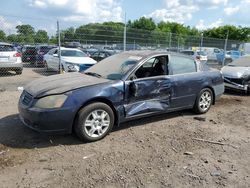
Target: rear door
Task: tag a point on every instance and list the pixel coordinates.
(147, 94)
(187, 81)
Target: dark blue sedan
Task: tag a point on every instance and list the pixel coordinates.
(119, 88)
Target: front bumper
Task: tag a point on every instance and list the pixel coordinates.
(47, 120)
(237, 87)
(241, 85)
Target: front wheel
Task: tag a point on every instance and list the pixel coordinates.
(94, 122)
(204, 101)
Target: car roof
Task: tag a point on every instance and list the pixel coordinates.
(149, 53)
(64, 48)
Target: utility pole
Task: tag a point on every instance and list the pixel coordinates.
(59, 47)
(225, 49)
(125, 33)
(201, 45)
(169, 45)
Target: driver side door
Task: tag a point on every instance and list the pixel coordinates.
(148, 94)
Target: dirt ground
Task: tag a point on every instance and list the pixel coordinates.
(162, 151)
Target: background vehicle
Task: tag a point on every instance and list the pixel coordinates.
(199, 55)
(100, 55)
(229, 56)
(72, 60)
(119, 88)
(41, 51)
(237, 74)
(10, 58)
(29, 54)
(211, 52)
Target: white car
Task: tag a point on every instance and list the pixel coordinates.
(72, 60)
(10, 58)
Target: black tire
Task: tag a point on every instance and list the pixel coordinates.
(85, 115)
(19, 71)
(199, 107)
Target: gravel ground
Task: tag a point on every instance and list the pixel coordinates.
(161, 151)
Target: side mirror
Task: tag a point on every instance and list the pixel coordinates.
(133, 88)
(55, 55)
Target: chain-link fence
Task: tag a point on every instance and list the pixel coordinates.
(29, 52)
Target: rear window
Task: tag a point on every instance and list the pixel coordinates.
(6, 48)
(182, 65)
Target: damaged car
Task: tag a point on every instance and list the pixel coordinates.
(122, 87)
(237, 74)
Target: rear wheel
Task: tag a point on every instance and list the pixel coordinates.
(94, 122)
(204, 101)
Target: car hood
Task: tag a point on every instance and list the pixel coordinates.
(61, 83)
(79, 60)
(235, 72)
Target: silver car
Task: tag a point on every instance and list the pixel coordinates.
(10, 58)
(237, 74)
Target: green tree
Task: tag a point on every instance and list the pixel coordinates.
(143, 23)
(41, 36)
(12, 38)
(25, 33)
(2, 35)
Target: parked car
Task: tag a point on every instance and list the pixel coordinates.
(229, 56)
(72, 60)
(211, 52)
(100, 55)
(41, 51)
(10, 58)
(198, 55)
(122, 87)
(237, 74)
(29, 54)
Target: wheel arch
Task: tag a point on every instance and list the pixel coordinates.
(102, 100)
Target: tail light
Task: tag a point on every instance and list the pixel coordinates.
(17, 54)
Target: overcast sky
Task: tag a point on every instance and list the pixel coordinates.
(42, 14)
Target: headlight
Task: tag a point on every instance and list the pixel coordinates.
(72, 67)
(52, 101)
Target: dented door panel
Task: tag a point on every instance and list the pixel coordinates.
(152, 95)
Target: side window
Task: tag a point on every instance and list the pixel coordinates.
(181, 65)
(216, 50)
(153, 67)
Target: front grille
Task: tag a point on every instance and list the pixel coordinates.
(26, 98)
(234, 80)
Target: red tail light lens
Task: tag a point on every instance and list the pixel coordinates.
(17, 55)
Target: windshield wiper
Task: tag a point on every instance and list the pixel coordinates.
(93, 74)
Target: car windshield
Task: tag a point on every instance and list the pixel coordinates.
(241, 62)
(114, 67)
(6, 48)
(72, 53)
